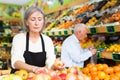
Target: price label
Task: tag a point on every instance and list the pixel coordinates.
(110, 29)
(93, 30)
(47, 33)
(59, 33)
(116, 57)
(53, 33)
(65, 32)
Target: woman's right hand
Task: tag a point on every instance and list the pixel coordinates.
(38, 70)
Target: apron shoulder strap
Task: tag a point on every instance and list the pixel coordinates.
(43, 45)
(27, 41)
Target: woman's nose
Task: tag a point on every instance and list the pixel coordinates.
(36, 22)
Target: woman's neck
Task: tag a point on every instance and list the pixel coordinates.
(34, 36)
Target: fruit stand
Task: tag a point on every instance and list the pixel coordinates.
(103, 20)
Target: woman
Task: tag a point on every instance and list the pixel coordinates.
(32, 50)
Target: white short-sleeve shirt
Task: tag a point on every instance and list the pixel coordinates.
(19, 46)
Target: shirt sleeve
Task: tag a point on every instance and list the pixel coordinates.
(17, 49)
(50, 52)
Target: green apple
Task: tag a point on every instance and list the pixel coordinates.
(11, 77)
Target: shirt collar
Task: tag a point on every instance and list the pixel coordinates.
(75, 38)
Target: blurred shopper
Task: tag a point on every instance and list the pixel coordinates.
(72, 54)
(32, 50)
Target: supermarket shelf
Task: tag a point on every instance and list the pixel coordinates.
(77, 2)
(11, 19)
(99, 30)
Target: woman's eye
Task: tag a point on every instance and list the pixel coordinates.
(39, 18)
(32, 19)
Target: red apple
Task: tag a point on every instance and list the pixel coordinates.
(38, 77)
(42, 70)
(30, 75)
(63, 76)
(58, 64)
(55, 78)
(71, 76)
(72, 70)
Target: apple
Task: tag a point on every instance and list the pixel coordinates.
(30, 75)
(72, 70)
(55, 77)
(65, 71)
(22, 73)
(38, 77)
(46, 77)
(11, 77)
(42, 70)
(71, 76)
(42, 76)
(53, 74)
(58, 64)
(63, 76)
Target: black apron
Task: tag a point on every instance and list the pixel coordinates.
(34, 58)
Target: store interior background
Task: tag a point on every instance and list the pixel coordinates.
(101, 16)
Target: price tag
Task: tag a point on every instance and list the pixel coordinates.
(47, 33)
(116, 57)
(65, 32)
(72, 31)
(53, 33)
(59, 33)
(93, 30)
(110, 29)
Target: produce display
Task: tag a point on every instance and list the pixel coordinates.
(90, 72)
(91, 14)
(102, 72)
(58, 72)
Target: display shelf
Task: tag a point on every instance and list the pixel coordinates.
(109, 55)
(63, 32)
(116, 57)
(99, 30)
(11, 19)
(77, 2)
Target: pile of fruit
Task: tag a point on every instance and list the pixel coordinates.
(65, 74)
(102, 72)
(58, 72)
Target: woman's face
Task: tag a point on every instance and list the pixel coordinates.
(35, 22)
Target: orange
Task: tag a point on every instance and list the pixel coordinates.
(95, 78)
(116, 69)
(105, 66)
(93, 69)
(90, 65)
(114, 77)
(94, 73)
(85, 70)
(100, 67)
(101, 75)
(107, 77)
(117, 74)
(109, 70)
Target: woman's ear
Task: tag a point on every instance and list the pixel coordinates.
(26, 22)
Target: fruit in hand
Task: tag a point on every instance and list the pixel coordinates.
(58, 64)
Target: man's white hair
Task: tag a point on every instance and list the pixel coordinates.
(80, 27)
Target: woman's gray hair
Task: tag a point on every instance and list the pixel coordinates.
(28, 13)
